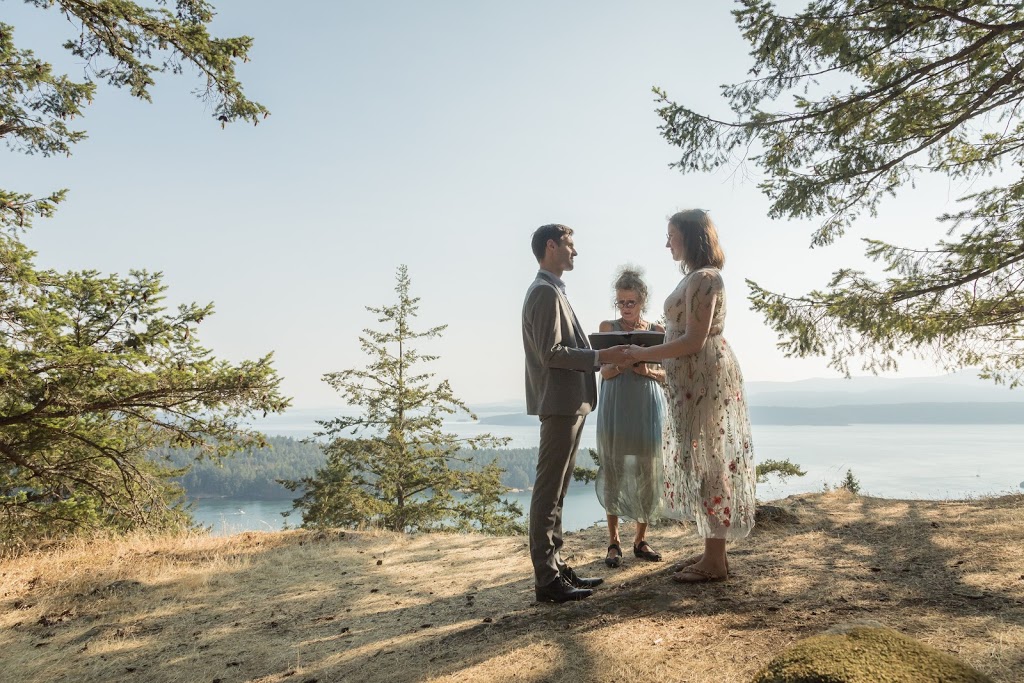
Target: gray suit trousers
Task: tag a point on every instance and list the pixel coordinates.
(559, 441)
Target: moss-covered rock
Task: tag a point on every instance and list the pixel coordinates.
(866, 654)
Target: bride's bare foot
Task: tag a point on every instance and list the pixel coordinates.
(704, 570)
(695, 573)
(697, 559)
(691, 560)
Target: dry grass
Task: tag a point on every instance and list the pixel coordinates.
(298, 606)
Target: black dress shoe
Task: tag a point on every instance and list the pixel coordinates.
(577, 581)
(560, 590)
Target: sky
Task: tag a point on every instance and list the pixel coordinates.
(436, 135)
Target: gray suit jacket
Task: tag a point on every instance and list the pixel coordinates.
(559, 361)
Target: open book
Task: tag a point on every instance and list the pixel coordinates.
(604, 340)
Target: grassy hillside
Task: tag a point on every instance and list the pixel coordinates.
(298, 606)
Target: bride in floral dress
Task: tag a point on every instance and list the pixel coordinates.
(708, 456)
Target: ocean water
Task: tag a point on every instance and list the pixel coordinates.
(890, 461)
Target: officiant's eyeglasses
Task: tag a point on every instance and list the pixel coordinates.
(626, 303)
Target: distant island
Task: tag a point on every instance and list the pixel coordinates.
(894, 413)
(842, 415)
(959, 398)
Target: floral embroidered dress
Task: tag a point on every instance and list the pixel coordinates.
(630, 419)
(709, 454)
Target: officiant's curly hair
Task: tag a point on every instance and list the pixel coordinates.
(632, 278)
(700, 239)
(541, 235)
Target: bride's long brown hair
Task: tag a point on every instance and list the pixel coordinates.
(700, 239)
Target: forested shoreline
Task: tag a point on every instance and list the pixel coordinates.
(254, 473)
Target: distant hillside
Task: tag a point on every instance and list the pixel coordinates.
(253, 474)
(958, 388)
(858, 393)
(896, 413)
(510, 420)
(247, 474)
(891, 413)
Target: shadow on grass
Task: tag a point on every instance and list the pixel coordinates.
(307, 606)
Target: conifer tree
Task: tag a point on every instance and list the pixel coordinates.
(125, 44)
(393, 465)
(95, 372)
(850, 101)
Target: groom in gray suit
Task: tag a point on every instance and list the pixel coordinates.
(562, 390)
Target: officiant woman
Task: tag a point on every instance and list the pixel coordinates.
(629, 422)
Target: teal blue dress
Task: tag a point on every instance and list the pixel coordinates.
(631, 412)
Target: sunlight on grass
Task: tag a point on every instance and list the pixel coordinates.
(277, 607)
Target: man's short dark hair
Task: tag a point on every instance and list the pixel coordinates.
(552, 231)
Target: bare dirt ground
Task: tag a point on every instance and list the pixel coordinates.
(300, 606)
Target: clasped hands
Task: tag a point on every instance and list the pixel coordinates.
(621, 355)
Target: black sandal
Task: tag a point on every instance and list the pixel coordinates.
(649, 554)
(614, 561)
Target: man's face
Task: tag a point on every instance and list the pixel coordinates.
(563, 252)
